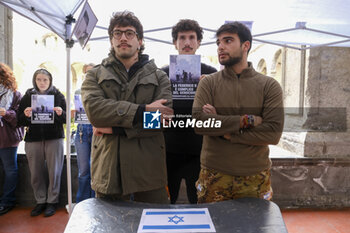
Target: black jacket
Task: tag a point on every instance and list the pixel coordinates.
(184, 140)
(40, 132)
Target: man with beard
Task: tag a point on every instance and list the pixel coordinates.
(235, 156)
(127, 160)
(183, 146)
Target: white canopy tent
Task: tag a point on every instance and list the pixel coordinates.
(289, 23)
(284, 23)
(58, 17)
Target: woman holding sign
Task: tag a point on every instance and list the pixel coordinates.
(43, 111)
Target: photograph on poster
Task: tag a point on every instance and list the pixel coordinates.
(184, 74)
(80, 115)
(42, 109)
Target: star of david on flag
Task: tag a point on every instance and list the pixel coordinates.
(176, 220)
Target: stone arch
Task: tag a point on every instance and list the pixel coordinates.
(77, 75)
(55, 71)
(50, 66)
(276, 66)
(262, 67)
(50, 40)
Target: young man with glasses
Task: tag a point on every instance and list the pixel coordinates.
(127, 160)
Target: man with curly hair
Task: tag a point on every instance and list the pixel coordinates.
(183, 146)
(127, 161)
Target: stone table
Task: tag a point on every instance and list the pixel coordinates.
(241, 215)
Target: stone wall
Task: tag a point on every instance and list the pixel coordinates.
(5, 35)
(296, 182)
(311, 182)
(24, 191)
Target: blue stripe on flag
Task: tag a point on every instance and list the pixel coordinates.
(174, 212)
(164, 227)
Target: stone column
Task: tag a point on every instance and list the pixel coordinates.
(320, 126)
(6, 35)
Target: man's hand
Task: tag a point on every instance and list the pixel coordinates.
(2, 111)
(227, 136)
(257, 121)
(209, 109)
(72, 113)
(101, 131)
(201, 77)
(58, 110)
(167, 112)
(28, 112)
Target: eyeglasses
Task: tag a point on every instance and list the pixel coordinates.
(129, 34)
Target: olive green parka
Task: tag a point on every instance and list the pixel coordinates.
(133, 161)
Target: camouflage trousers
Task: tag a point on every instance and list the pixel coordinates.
(213, 186)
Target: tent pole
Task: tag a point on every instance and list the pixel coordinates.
(68, 135)
(69, 45)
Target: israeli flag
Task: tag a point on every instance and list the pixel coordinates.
(176, 220)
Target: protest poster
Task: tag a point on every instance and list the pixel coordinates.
(184, 74)
(42, 109)
(80, 115)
